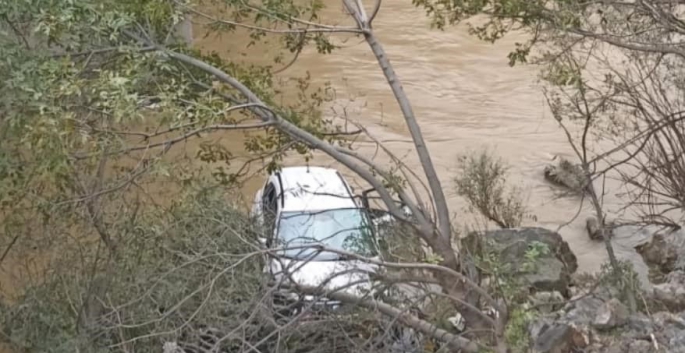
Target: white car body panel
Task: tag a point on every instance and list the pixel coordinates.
(338, 275)
(310, 189)
(314, 189)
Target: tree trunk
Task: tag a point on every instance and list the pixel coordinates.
(443, 217)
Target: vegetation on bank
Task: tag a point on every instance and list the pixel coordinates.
(100, 96)
(481, 181)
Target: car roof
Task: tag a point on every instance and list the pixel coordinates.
(314, 189)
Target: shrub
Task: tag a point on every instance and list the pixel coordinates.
(481, 180)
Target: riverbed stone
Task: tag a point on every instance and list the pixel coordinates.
(663, 253)
(583, 310)
(611, 314)
(558, 338)
(671, 293)
(595, 324)
(594, 231)
(548, 302)
(566, 174)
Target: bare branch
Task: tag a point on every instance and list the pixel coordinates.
(673, 48)
(9, 248)
(171, 142)
(455, 341)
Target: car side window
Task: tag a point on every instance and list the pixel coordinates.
(270, 198)
(269, 207)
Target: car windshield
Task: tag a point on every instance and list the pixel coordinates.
(345, 229)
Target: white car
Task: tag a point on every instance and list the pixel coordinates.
(302, 206)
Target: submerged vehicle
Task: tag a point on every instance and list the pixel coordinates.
(316, 230)
(312, 222)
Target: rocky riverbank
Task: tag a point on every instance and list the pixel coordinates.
(573, 312)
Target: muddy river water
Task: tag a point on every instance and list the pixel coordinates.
(466, 97)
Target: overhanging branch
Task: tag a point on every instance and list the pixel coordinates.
(283, 125)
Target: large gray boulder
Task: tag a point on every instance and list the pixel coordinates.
(550, 270)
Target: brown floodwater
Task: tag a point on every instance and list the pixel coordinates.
(465, 97)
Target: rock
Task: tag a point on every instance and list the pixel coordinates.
(552, 338)
(566, 174)
(547, 302)
(672, 292)
(549, 275)
(669, 331)
(663, 253)
(639, 325)
(593, 230)
(551, 269)
(457, 321)
(559, 338)
(583, 310)
(585, 325)
(592, 226)
(569, 331)
(626, 346)
(611, 314)
(641, 346)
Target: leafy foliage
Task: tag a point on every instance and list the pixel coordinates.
(181, 264)
(623, 280)
(191, 274)
(535, 250)
(517, 333)
(506, 281)
(90, 127)
(86, 110)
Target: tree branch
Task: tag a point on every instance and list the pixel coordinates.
(171, 142)
(287, 127)
(443, 217)
(673, 48)
(455, 341)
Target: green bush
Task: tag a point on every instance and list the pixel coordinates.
(481, 180)
(181, 270)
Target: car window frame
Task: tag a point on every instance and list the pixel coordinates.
(270, 210)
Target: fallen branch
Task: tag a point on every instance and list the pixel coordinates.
(454, 340)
